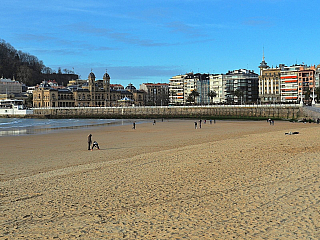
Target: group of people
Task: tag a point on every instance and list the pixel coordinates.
(200, 123)
(94, 144)
(270, 121)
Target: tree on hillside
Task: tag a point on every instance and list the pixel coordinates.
(27, 68)
(23, 66)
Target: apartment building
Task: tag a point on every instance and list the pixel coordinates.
(306, 83)
(157, 94)
(241, 86)
(289, 83)
(202, 85)
(176, 89)
(217, 85)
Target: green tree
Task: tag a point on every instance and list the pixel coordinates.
(239, 94)
(211, 95)
(189, 99)
(194, 94)
(317, 93)
(307, 95)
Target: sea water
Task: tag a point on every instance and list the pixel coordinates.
(21, 126)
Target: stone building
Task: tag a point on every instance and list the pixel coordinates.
(8, 86)
(269, 83)
(87, 93)
(94, 93)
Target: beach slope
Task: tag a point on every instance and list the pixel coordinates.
(232, 179)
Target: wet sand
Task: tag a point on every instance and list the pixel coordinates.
(242, 180)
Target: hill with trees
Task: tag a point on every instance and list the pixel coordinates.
(27, 68)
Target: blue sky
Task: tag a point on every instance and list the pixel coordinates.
(150, 41)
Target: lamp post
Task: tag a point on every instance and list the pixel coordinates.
(301, 102)
(313, 101)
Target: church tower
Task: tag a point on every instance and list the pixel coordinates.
(106, 87)
(91, 83)
(263, 64)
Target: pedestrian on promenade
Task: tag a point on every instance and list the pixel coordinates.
(195, 125)
(154, 122)
(134, 125)
(200, 121)
(89, 141)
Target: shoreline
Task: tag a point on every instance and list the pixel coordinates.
(163, 181)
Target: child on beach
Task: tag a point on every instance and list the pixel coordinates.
(95, 144)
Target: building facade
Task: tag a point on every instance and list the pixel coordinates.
(242, 86)
(8, 86)
(176, 89)
(217, 85)
(269, 83)
(306, 83)
(89, 93)
(289, 83)
(157, 94)
(202, 86)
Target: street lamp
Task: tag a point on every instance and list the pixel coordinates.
(313, 101)
(301, 102)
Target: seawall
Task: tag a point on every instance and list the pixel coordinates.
(227, 111)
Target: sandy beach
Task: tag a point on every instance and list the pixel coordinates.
(229, 180)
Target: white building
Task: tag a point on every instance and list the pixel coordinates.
(217, 84)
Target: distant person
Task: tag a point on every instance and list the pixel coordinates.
(195, 125)
(210, 121)
(134, 125)
(154, 122)
(95, 145)
(89, 141)
(200, 121)
(162, 119)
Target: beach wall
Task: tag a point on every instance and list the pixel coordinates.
(250, 111)
(310, 112)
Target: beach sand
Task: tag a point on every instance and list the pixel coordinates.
(229, 180)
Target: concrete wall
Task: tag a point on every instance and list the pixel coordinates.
(260, 111)
(310, 112)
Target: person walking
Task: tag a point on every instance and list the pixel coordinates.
(195, 125)
(89, 141)
(134, 125)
